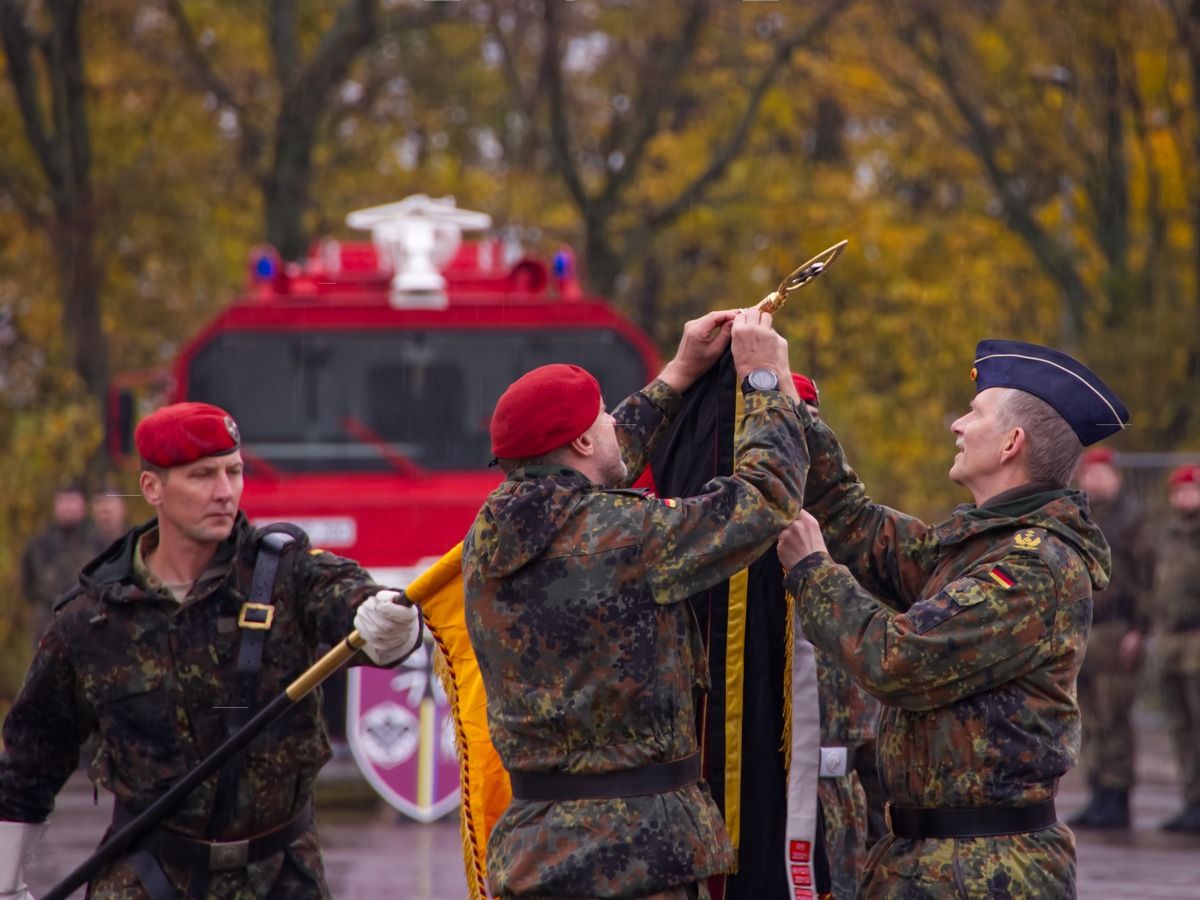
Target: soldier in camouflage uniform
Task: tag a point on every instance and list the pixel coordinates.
(978, 632)
(1120, 619)
(574, 601)
(1177, 632)
(150, 653)
(53, 557)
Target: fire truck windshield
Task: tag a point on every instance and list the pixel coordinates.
(309, 401)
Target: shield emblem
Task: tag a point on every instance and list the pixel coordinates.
(401, 732)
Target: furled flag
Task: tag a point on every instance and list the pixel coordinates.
(484, 786)
(749, 736)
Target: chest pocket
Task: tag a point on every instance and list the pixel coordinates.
(953, 599)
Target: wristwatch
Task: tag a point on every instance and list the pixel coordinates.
(760, 380)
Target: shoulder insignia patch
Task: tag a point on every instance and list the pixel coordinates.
(1001, 577)
(1027, 539)
(315, 551)
(669, 502)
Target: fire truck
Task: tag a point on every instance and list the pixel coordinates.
(362, 381)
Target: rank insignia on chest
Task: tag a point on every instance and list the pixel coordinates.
(1027, 540)
(1001, 577)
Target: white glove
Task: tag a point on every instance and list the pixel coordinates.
(391, 630)
(16, 849)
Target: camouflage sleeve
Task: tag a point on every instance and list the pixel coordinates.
(42, 735)
(890, 553)
(643, 420)
(696, 542)
(332, 587)
(984, 629)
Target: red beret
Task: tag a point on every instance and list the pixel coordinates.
(1098, 455)
(185, 432)
(541, 411)
(807, 388)
(1189, 474)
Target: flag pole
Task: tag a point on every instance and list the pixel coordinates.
(124, 839)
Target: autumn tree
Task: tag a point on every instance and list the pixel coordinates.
(277, 101)
(639, 110)
(44, 57)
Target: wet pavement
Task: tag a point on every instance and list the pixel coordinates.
(371, 853)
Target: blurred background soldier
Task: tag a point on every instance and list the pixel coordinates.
(54, 556)
(1177, 629)
(1108, 680)
(108, 511)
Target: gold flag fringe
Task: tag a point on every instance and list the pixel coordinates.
(473, 855)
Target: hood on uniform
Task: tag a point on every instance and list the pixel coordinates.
(522, 516)
(1062, 512)
(1089, 406)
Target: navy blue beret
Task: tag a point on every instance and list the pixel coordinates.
(1088, 404)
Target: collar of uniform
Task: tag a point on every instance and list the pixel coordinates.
(1020, 501)
(538, 472)
(145, 545)
(205, 582)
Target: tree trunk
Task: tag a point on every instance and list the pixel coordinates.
(79, 278)
(286, 188)
(61, 143)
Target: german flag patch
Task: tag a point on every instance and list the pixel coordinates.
(669, 502)
(1001, 577)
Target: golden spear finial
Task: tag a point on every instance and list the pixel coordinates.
(774, 301)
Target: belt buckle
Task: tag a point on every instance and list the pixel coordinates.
(256, 616)
(228, 855)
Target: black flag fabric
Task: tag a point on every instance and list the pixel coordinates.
(745, 719)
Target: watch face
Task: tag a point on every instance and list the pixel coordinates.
(763, 380)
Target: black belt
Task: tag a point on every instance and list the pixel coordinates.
(983, 821)
(192, 853)
(656, 779)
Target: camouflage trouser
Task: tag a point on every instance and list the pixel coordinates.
(1037, 866)
(1105, 707)
(1181, 701)
(844, 819)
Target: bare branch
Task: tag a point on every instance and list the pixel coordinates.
(199, 61)
(732, 148)
(281, 33)
(1054, 258)
(19, 41)
(551, 76)
(656, 88)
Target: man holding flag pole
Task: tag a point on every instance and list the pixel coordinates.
(175, 645)
(970, 632)
(574, 605)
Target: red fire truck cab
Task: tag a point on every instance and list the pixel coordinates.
(363, 381)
